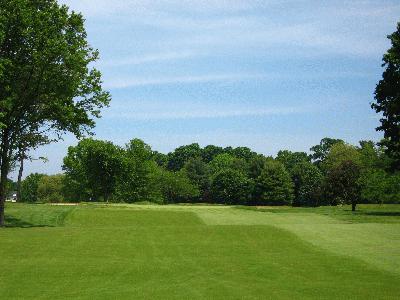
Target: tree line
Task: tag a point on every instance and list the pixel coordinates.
(333, 173)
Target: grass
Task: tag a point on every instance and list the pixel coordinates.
(365, 213)
(198, 252)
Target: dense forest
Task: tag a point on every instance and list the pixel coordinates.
(333, 173)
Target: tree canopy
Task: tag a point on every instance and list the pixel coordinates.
(47, 84)
(387, 99)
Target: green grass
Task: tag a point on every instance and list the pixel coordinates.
(370, 213)
(196, 252)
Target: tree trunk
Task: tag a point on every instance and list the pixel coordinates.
(5, 163)
(20, 172)
(353, 206)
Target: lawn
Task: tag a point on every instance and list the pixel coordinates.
(199, 252)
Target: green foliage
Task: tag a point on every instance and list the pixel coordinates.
(244, 153)
(369, 155)
(308, 180)
(209, 152)
(160, 158)
(29, 188)
(231, 186)
(227, 161)
(342, 183)
(321, 151)
(199, 174)
(387, 99)
(134, 180)
(178, 158)
(50, 188)
(378, 186)
(274, 186)
(256, 165)
(291, 159)
(339, 153)
(92, 169)
(343, 166)
(47, 83)
(175, 187)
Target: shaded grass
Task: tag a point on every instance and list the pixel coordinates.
(36, 215)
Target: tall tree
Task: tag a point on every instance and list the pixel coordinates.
(387, 98)
(134, 182)
(274, 185)
(46, 82)
(94, 166)
(342, 184)
(307, 179)
(343, 167)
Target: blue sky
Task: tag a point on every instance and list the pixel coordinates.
(269, 75)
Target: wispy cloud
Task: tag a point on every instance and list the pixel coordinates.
(141, 81)
(174, 112)
(150, 58)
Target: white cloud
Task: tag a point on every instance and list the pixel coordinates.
(153, 111)
(140, 81)
(150, 58)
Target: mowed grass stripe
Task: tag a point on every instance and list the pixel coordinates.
(109, 217)
(374, 243)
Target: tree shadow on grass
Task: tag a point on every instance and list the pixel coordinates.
(383, 213)
(12, 222)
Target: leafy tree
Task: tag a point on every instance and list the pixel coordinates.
(369, 155)
(307, 179)
(199, 174)
(339, 153)
(230, 186)
(342, 183)
(50, 189)
(29, 188)
(175, 187)
(46, 83)
(378, 186)
(393, 194)
(227, 161)
(209, 152)
(387, 99)
(290, 159)
(93, 167)
(244, 153)
(178, 158)
(256, 165)
(134, 181)
(274, 186)
(160, 158)
(321, 151)
(343, 166)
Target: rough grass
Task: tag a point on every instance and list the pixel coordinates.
(190, 252)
